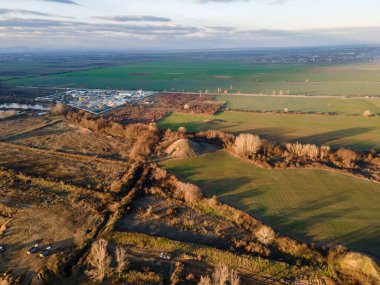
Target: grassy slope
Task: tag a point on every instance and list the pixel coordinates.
(269, 103)
(359, 79)
(312, 205)
(339, 131)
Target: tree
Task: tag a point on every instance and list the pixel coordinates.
(367, 113)
(121, 259)
(221, 276)
(99, 260)
(59, 109)
(265, 234)
(247, 145)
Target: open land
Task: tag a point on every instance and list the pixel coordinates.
(242, 75)
(70, 177)
(300, 104)
(312, 205)
(337, 131)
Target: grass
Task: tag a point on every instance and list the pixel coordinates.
(232, 74)
(338, 131)
(305, 105)
(311, 205)
(209, 254)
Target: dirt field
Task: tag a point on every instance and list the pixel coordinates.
(175, 220)
(30, 214)
(70, 138)
(12, 126)
(74, 169)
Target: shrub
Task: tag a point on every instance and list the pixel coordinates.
(247, 145)
(189, 192)
(367, 113)
(324, 151)
(121, 259)
(305, 150)
(142, 278)
(59, 109)
(347, 156)
(221, 276)
(182, 130)
(265, 235)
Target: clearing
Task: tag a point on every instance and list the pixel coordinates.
(310, 204)
(300, 104)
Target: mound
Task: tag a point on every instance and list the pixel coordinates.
(184, 148)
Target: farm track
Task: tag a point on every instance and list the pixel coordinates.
(64, 154)
(198, 266)
(36, 128)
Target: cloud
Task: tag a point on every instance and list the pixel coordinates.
(72, 28)
(230, 1)
(71, 2)
(60, 33)
(28, 13)
(22, 12)
(134, 18)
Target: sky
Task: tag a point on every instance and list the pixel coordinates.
(187, 24)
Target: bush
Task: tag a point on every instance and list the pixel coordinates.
(305, 150)
(347, 156)
(189, 192)
(367, 113)
(59, 109)
(265, 235)
(247, 145)
(142, 278)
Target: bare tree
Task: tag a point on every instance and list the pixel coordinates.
(234, 278)
(205, 280)
(265, 234)
(221, 276)
(99, 260)
(121, 259)
(247, 145)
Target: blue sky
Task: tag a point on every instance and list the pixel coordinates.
(187, 24)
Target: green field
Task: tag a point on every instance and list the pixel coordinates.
(338, 131)
(234, 75)
(311, 205)
(301, 104)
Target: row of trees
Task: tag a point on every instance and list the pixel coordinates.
(100, 260)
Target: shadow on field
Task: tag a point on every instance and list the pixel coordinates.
(336, 137)
(272, 134)
(309, 217)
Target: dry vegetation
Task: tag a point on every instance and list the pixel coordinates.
(87, 186)
(157, 107)
(84, 171)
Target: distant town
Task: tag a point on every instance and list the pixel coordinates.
(97, 101)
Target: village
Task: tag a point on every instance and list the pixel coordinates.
(97, 101)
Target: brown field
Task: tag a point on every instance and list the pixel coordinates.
(74, 139)
(74, 169)
(34, 214)
(13, 126)
(185, 223)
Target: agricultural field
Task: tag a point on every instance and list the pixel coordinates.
(309, 204)
(300, 104)
(337, 131)
(240, 75)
